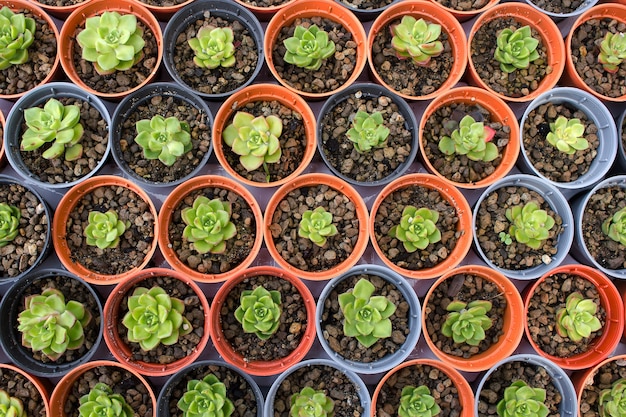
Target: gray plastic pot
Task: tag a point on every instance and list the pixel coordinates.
(36, 97)
(587, 4)
(130, 103)
(569, 404)
(415, 313)
(359, 385)
(597, 112)
(226, 9)
(579, 248)
(557, 202)
(620, 159)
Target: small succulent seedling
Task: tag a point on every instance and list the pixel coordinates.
(366, 317)
(11, 406)
(505, 238)
(206, 398)
(113, 42)
(311, 403)
(165, 139)
(213, 47)
(577, 320)
(612, 51)
(516, 49)
(308, 47)
(368, 131)
(417, 228)
(529, 224)
(416, 39)
(9, 223)
(521, 400)
(612, 401)
(17, 33)
(54, 123)
(417, 402)
(473, 139)
(259, 312)
(567, 135)
(317, 226)
(467, 322)
(104, 229)
(208, 225)
(154, 317)
(615, 226)
(50, 325)
(101, 401)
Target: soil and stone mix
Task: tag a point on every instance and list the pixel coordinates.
(366, 4)
(601, 380)
(464, 5)
(560, 7)
(17, 385)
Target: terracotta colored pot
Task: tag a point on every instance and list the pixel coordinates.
(39, 386)
(60, 12)
(557, 17)
(62, 214)
(256, 93)
(500, 112)
(454, 197)
(265, 13)
(226, 350)
(512, 326)
(310, 180)
(590, 378)
(463, 15)
(432, 13)
(176, 197)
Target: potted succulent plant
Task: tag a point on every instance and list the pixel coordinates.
(21, 393)
(599, 389)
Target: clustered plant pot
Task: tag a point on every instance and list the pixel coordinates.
(60, 8)
(402, 76)
(591, 382)
(164, 9)
(465, 10)
(366, 10)
(562, 10)
(264, 9)
(32, 392)
(620, 157)
(240, 250)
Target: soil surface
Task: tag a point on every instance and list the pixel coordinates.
(366, 4)
(265, 3)
(561, 7)
(601, 380)
(464, 5)
(163, 3)
(60, 3)
(16, 385)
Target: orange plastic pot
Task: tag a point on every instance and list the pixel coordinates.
(327, 9)
(121, 351)
(463, 15)
(500, 112)
(94, 8)
(60, 12)
(610, 299)
(600, 11)
(265, 13)
(230, 355)
(39, 386)
(309, 180)
(465, 394)
(17, 5)
(172, 202)
(587, 379)
(63, 389)
(264, 92)
(62, 214)
(550, 34)
(513, 326)
(431, 13)
(464, 226)
(164, 13)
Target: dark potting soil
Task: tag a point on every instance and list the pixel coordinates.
(237, 249)
(491, 220)
(459, 168)
(544, 304)
(603, 379)
(464, 5)
(293, 321)
(334, 71)
(301, 252)
(16, 385)
(519, 83)
(95, 140)
(534, 376)
(349, 347)
(389, 214)
(22, 253)
(265, 3)
(547, 159)
(134, 244)
(122, 382)
(238, 390)
(163, 3)
(72, 290)
(118, 81)
(561, 7)
(441, 387)
(403, 75)
(376, 164)
(153, 169)
(60, 3)
(585, 50)
(466, 288)
(219, 80)
(335, 384)
(366, 4)
(41, 56)
(602, 205)
(187, 344)
(292, 142)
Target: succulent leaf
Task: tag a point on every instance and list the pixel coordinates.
(529, 224)
(417, 402)
(164, 138)
(516, 49)
(259, 312)
(208, 225)
(472, 138)
(104, 229)
(567, 135)
(417, 228)
(521, 400)
(17, 33)
(577, 320)
(9, 223)
(416, 39)
(205, 398)
(368, 131)
(613, 400)
(213, 47)
(612, 51)
(317, 226)
(615, 227)
(467, 322)
(101, 401)
(308, 47)
(311, 403)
